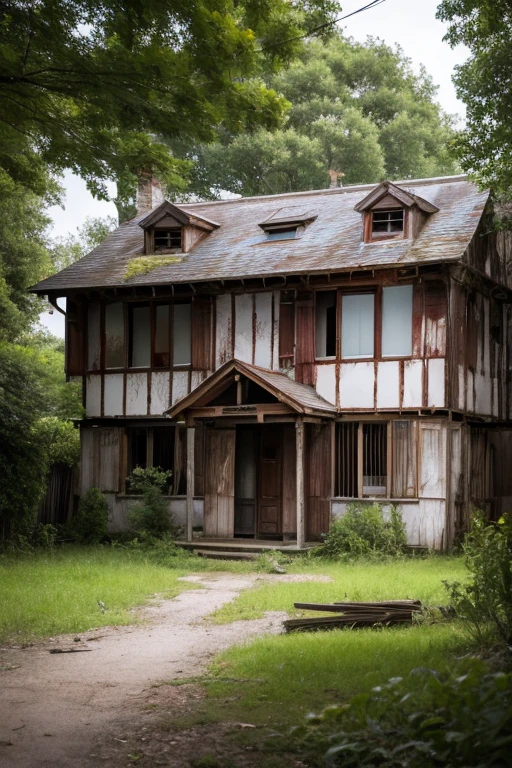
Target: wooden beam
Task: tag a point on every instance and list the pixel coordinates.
(190, 480)
(299, 441)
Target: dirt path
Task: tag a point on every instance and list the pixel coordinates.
(57, 710)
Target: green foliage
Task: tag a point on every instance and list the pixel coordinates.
(485, 602)
(355, 108)
(424, 721)
(151, 516)
(143, 265)
(483, 84)
(61, 440)
(364, 530)
(272, 561)
(142, 478)
(163, 550)
(90, 525)
(93, 86)
(67, 250)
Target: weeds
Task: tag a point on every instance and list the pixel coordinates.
(365, 530)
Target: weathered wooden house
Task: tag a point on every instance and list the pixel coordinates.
(285, 355)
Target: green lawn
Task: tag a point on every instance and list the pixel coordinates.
(57, 591)
(401, 579)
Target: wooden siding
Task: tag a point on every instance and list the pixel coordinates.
(318, 479)
(305, 338)
(219, 491)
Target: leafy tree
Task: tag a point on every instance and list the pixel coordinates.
(91, 84)
(66, 250)
(483, 84)
(355, 108)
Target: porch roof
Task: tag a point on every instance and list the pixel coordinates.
(301, 398)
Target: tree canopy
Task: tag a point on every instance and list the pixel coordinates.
(357, 108)
(483, 83)
(92, 85)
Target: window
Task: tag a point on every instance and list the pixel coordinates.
(114, 336)
(162, 447)
(361, 460)
(145, 352)
(168, 239)
(288, 233)
(357, 325)
(286, 329)
(386, 223)
(325, 323)
(397, 321)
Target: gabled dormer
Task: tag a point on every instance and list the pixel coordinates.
(170, 229)
(287, 223)
(390, 212)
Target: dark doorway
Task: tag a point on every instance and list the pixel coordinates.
(258, 481)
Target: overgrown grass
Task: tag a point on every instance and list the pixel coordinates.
(57, 591)
(275, 681)
(399, 579)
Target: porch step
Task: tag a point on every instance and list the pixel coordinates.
(241, 546)
(219, 554)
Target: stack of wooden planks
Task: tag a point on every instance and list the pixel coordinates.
(354, 615)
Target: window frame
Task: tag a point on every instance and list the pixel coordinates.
(369, 236)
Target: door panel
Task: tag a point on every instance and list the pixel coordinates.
(270, 486)
(219, 495)
(246, 463)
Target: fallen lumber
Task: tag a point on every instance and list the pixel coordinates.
(354, 615)
(413, 605)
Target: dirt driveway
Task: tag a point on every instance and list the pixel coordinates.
(81, 709)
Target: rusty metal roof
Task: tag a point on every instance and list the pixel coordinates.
(301, 397)
(331, 243)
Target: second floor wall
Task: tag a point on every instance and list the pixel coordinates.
(378, 344)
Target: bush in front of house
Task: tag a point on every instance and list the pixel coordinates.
(365, 530)
(90, 525)
(150, 517)
(426, 720)
(484, 603)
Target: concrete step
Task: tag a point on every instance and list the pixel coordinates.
(243, 545)
(219, 554)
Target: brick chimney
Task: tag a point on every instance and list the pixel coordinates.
(149, 193)
(335, 178)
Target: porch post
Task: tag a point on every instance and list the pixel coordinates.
(190, 479)
(299, 442)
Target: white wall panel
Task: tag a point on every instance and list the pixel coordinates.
(159, 392)
(179, 385)
(462, 388)
(483, 394)
(113, 394)
(433, 461)
(277, 306)
(357, 385)
(196, 377)
(243, 327)
(326, 382)
(93, 396)
(413, 384)
(263, 340)
(388, 385)
(436, 382)
(223, 327)
(136, 394)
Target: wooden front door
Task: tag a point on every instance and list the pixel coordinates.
(219, 491)
(270, 482)
(246, 481)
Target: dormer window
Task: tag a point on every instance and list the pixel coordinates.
(168, 239)
(389, 211)
(286, 233)
(286, 224)
(385, 223)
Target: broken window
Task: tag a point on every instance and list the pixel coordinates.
(93, 336)
(140, 336)
(357, 325)
(161, 352)
(375, 478)
(114, 336)
(286, 233)
(385, 223)
(286, 329)
(182, 335)
(397, 321)
(325, 320)
(361, 460)
(156, 447)
(168, 239)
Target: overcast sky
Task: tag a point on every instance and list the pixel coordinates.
(410, 23)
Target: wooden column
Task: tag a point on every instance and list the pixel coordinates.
(190, 480)
(299, 442)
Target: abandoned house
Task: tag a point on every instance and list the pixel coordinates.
(288, 354)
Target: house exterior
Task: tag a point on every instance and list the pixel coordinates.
(285, 355)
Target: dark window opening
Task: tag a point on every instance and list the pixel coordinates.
(168, 239)
(374, 459)
(163, 449)
(387, 222)
(325, 317)
(288, 233)
(137, 449)
(346, 460)
(159, 447)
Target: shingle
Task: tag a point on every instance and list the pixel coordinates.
(331, 243)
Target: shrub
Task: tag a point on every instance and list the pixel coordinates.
(485, 603)
(365, 530)
(90, 525)
(424, 721)
(151, 516)
(142, 478)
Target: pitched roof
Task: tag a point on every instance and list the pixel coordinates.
(300, 397)
(408, 199)
(331, 243)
